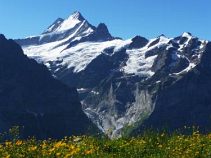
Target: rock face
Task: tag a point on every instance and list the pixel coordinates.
(184, 100)
(31, 98)
(125, 85)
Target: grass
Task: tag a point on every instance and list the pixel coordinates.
(147, 145)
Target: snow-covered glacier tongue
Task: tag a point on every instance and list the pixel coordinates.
(119, 81)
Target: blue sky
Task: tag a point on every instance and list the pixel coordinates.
(124, 18)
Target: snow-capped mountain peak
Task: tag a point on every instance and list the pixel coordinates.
(74, 28)
(113, 72)
(163, 38)
(76, 15)
(187, 34)
(67, 24)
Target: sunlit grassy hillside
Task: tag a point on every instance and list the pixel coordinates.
(149, 145)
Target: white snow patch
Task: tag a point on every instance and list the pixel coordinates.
(82, 90)
(81, 55)
(137, 64)
(190, 67)
(77, 57)
(95, 92)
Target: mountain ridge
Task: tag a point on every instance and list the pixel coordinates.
(32, 99)
(119, 81)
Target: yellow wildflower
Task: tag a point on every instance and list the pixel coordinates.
(8, 143)
(68, 155)
(71, 147)
(59, 144)
(32, 148)
(51, 150)
(87, 152)
(44, 145)
(18, 142)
